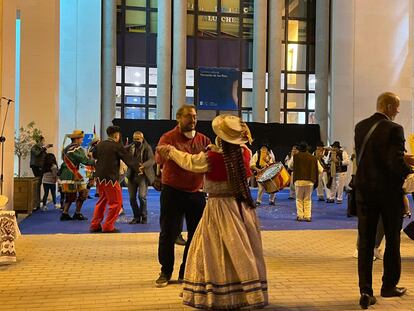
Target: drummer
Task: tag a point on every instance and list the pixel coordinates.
(262, 159)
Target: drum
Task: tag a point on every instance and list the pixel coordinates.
(274, 178)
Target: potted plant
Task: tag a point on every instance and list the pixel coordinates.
(26, 189)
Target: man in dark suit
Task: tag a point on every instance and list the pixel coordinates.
(378, 183)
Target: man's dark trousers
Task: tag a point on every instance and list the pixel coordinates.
(139, 185)
(174, 205)
(392, 217)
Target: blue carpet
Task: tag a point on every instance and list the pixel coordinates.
(280, 217)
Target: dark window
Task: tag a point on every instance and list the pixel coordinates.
(219, 34)
(298, 62)
(136, 93)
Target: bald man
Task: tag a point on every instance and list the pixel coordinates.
(378, 184)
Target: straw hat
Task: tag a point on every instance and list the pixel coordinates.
(76, 134)
(95, 140)
(231, 129)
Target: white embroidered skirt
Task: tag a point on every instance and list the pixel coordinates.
(225, 267)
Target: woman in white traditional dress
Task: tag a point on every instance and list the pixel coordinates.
(225, 268)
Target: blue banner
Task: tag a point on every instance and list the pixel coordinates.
(217, 89)
(87, 139)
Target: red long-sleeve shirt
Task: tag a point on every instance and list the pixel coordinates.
(173, 175)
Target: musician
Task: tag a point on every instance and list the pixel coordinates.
(337, 161)
(320, 153)
(262, 159)
(289, 166)
(72, 182)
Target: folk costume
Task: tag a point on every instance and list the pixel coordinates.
(90, 169)
(337, 161)
(71, 181)
(225, 269)
(320, 153)
(262, 159)
(109, 154)
(289, 165)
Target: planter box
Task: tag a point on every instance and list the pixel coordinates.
(26, 194)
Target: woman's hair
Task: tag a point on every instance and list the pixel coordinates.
(50, 159)
(236, 173)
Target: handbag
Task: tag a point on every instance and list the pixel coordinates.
(351, 209)
(409, 230)
(352, 205)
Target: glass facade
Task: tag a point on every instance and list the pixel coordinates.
(136, 71)
(298, 62)
(219, 34)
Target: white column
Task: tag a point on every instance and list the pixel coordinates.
(80, 67)
(164, 60)
(179, 54)
(274, 53)
(259, 60)
(322, 66)
(39, 69)
(108, 62)
(7, 54)
(411, 54)
(341, 114)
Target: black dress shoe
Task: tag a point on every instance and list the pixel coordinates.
(393, 292)
(144, 220)
(135, 221)
(112, 231)
(65, 217)
(180, 240)
(92, 230)
(366, 300)
(79, 216)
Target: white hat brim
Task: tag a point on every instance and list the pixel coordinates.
(217, 128)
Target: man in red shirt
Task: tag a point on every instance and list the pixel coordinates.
(181, 194)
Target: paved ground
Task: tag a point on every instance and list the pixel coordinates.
(307, 270)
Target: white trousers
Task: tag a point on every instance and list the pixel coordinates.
(321, 185)
(291, 187)
(337, 187)
(260, 194)
(303, 201)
